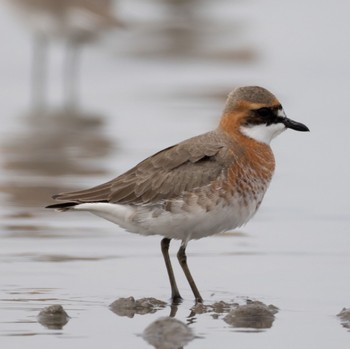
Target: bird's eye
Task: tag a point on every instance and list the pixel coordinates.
(264, 111)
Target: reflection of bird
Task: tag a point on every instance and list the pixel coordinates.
(74, 21)
(37, 157)
(202, 186)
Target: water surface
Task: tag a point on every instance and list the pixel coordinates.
(161, 79)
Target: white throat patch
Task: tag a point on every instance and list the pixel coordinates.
(263, 133)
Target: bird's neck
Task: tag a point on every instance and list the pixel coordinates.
(256, 155)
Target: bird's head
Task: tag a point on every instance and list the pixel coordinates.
(256, 113)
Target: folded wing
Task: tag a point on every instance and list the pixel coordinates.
(165, 175)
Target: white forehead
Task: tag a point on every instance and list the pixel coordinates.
(281, 113)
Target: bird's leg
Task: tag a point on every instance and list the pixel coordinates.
(39, 72)
(181, 255)
(175, 294)
(71, 76)
(173, 308)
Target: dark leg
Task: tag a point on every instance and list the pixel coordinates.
(39, 72)
(181, 255)
(173, 308)
(175, 294)
(71, 76)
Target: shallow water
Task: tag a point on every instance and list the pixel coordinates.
(146, 87)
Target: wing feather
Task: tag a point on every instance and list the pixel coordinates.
(167, 174)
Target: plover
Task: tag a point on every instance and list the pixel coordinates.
(199, 187)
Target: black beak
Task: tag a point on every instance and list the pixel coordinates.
(297, 126)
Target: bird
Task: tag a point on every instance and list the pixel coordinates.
(199, 187)
(75, 22)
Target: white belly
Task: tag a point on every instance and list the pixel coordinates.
(195, 223)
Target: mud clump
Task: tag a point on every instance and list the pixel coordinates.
(53, 317)
(215, 309)
(254, 314)
(344, 316)
(129, 306)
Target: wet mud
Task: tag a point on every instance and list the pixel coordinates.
(344, 317)
(130, 306)
(53, 317)
(254, 314)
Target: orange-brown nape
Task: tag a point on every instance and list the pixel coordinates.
(240, 104)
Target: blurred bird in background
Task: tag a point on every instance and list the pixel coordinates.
(75, 22)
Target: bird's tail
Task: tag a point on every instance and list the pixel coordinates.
(64, 206)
